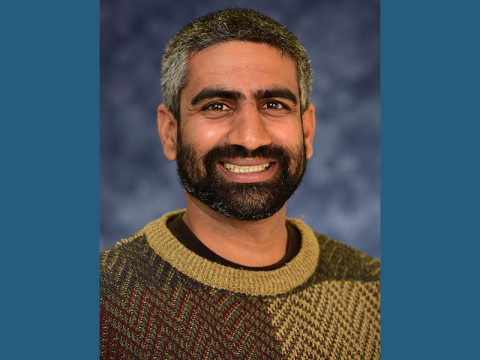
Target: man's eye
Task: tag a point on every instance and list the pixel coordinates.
(216, 107)
(273, 105)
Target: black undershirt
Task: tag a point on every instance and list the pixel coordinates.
(183, 234)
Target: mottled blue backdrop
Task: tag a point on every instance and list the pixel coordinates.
(340, 194)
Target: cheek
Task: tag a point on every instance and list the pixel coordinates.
(286, 135)
(204, 136)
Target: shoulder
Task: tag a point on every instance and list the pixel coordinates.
(126, 249)
(338, 261)
(126, 263)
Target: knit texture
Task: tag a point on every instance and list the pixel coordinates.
(159, 300)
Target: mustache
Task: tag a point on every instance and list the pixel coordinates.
(226, 151)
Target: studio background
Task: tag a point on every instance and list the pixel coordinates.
(340, 193)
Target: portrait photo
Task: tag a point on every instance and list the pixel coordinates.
(240, 180)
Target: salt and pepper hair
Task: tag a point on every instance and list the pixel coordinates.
(224, 26)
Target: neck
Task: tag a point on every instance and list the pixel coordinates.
(250, 243)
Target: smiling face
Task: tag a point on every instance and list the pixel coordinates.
(240, 146)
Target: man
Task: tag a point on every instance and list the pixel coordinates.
(231, 277)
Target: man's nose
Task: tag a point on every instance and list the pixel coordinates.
(248, 129)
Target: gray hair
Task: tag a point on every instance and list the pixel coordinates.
(224, 26)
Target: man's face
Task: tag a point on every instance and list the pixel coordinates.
(240, 145)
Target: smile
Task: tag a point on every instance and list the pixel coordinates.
(245, 169)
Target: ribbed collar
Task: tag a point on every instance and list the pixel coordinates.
(274, 282)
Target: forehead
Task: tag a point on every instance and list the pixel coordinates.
(243, 66)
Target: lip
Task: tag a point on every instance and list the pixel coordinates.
(248, 177)
(247, 161)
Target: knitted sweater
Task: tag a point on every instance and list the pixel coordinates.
(159, 300)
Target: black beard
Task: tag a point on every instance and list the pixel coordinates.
(240, 201)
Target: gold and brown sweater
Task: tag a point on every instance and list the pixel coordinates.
(159, 300)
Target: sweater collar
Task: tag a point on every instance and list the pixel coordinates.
(274, 282)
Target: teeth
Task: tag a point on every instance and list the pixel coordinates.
(245, 169)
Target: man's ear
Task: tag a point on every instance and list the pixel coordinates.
(308, 123)
(167, 129)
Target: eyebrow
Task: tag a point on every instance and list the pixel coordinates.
(210, 93)
(276, 93)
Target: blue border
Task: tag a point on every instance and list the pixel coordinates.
(50, 171)
(50, 175)
(430, 179)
